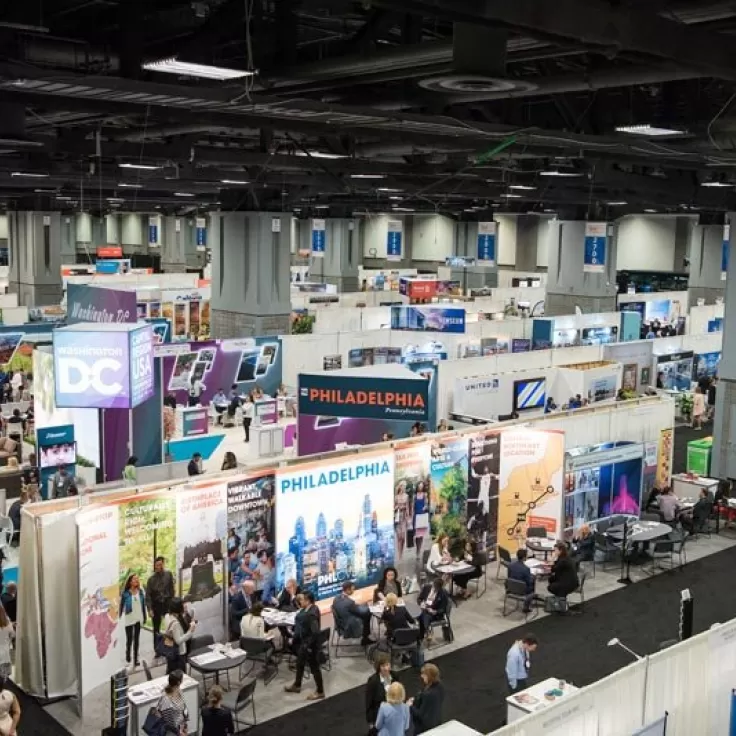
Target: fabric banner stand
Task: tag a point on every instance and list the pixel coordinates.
(596, 239)
(725, 251)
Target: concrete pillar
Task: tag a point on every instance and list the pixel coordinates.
(723, 462)
(35, 257)
(339, 265)
(112, 229)
(68, 239)
(706, 247)
(568, 285)
(250, 273)
(527, 227)
(174, 236)
(132, 234)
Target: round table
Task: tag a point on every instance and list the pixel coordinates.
(541, 545)
(222, 664)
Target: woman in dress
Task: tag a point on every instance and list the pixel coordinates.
(133, 607)
(401, 517)
(698, 408)
(421, 516)
(9, 710)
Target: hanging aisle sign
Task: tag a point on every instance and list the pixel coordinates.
(487, 242)
(394, 240)
(319, 238)
(596, 234)
(153, 238)
(200, 225)
(725, 250)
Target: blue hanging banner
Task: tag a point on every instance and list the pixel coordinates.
(596, 236)
(487, 243)
(319, 238)
(394, 240)
(725, 250)
(201, 233)
(153, 231)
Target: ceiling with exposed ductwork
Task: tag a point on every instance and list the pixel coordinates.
(456, 106)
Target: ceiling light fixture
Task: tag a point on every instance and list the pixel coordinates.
(319, 154)
(403, 209)
(511, 195)
(126, 185)
(321, 206)
(115, 199)
(367, 176)
(647, 129)
(44, 191)
(236, 182)
(183, 194)
(189, 69)
(560, 172)
(522, 187)
(30, 174)
(650, 211)
(388, 189)
(620, 203)
(142, 167)
(63, 198)
(723, 184)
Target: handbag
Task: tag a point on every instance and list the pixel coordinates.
(154, 725)
(555, 604)
(166, 646)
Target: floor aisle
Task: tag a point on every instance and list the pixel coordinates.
(573, 648)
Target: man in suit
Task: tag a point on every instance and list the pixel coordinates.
(518, 570)
(353, 619)
(240, 604)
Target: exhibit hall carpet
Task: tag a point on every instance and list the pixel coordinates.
(643, 615)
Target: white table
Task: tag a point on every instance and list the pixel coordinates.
(274, 617)
(686, 487)
(536, 566)
(534, 697)
(144, 696)
(453, 728)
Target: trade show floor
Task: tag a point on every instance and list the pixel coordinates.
(482, 636)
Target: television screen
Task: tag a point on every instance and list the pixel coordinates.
(61, 454)
(529, 394)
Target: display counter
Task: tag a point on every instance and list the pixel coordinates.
(268, 440)
(191, 421)
(144, 696)
(453, 728)
(535, 698)
(686, 486)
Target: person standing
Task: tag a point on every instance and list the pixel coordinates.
(376, 689)
(195, 392)
(180, 629)
(7, 634)
(698, 408)
(518, 662)
(394, 717)
(195, 465)
(159, 594)
(306, 640)
(130, 473)
(426, 707)
(61, 482)
(17, 383)
(248, 412)
(133, 607)
(171, 706)
(217, 720)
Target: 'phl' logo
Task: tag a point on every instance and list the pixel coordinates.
(75, 376)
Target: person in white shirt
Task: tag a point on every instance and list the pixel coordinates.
(484, 485)
(248, 413)
(195, 391)
(439, 553)
(17, 383)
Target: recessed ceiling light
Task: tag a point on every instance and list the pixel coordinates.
(31, 174)
(723, 184)
(63, 198)
(115, 199)
(127, 185)
(511, 195)
(183, 194)
(647, 129)
(403, 209)
(650, 211)
(319, 154)
(620, 203)
(44, 191)
(560, 172)
(367, 176)
(142, 167)
(522, 187)
(188, 69)
(234, 181)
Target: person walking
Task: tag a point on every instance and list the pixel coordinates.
(306, 641)
(159, 594)
(698, 408)
(518, 662)
(394, 717)
(133, 608)
(248, 412)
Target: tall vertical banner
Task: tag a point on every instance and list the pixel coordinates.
(200, 232)
(483, 488)
(336, 523)
(487, 242)
(594, 257)
(725, 251)
(530, 484)
(664, 457)
(449, 470)
(154, 234)
(319, 238)
(394, 240)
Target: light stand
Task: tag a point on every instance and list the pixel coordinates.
(625, 579)
(616, 642)
(686, 614)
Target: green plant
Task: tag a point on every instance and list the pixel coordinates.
(84, 463)
(685, 403)
(302, 324)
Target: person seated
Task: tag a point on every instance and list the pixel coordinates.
(352, 619)
(584, 544)
(439, 554)
(389, 583)
(550, 406)
(563, 578)
(519, 570)
(669, 506)
(220, 402)
(286, 600)
(15, 514)
(395, 616)
(9, 600)
(472, 557)
(698, 516)
(16, 418)
(434, 601)
(241, 602)
(652, 503)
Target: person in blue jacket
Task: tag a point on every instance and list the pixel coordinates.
(133, 608)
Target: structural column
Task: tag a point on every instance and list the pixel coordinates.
(705, 253)
(569, 284)
(338, 264)
(35, 257)
(250, 273)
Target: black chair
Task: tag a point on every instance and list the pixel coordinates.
(678, 539)
(482, 558)
(662, 549)
(515, 590)
(239, 703)
(504, 560)
(423, 575)
(607, 547)
(404, 641)
(444, 622)
(340, 640)
(259, 651)
(580, 590)
(325, 660)
(201, 642)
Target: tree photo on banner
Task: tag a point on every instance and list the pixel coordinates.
(412, 505)
(483, 472)
(449, 469)
(531, 484)
(335, 523)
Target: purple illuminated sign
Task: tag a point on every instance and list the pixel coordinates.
(141, 365)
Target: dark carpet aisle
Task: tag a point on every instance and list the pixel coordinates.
(573, 648)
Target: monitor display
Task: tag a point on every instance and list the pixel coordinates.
(529, 394)
(64, 453)
(599, 335)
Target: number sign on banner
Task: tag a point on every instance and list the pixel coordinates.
(394, 240)
(596, 234)
(487, 242)
(319, 238)
(725, 250)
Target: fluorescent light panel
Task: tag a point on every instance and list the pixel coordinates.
(234, 181)
(522, 187)
(319, 154)
(189, 69)
(127, 185)
(620, 203)
(141, 167)
(30, 174)
(559, 172)
(183, 194)
(388, 189)
(723, 184)
(647, 129)
(367, 176)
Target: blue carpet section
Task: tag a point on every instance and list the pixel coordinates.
(183, 449)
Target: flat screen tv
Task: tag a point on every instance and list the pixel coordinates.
(64, 453)
(529, 394)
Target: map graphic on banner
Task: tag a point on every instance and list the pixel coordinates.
(530, 483)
